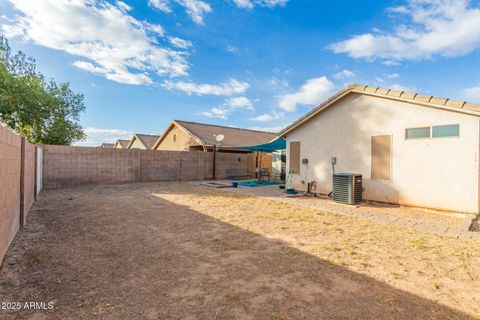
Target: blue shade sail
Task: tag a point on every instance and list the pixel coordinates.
(275, 145)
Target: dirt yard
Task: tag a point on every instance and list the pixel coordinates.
(182, 251)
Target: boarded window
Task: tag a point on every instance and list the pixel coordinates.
(295, 157)
(381, 157)
(451, 130)
(417, 133)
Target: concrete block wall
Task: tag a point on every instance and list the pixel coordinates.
(28, 180)
(71, 166)
(242, 162)
(17, 185)
(10, 159)
(171, 166)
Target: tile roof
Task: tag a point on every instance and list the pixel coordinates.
(416, 97)
(123, 143)
(234, 137)
(148, 140)
(406, 96)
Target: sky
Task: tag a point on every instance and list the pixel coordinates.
(257, 64)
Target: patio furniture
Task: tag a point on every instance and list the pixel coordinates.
(237, 173)
(262, 174)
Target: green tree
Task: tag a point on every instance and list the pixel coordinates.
(44, 112)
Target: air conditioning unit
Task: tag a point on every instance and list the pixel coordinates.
(347, 188)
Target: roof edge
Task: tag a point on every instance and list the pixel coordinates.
(131, 140)
(172, 124)
(398, 95)
(220, 126)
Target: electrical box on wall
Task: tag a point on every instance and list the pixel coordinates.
(333, 160)
(305, 161)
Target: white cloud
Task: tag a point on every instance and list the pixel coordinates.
(162, 5)
(124, 6)
(250, 4)
(217, 112)
(196, 9)
(88, 67)
(97, 136)
(232, 49)
(229, 88)
(312, 92)
(278, 83)
(399, 9)
(472, 93)
(180, 43)
(268, 117)
(397, 86)
(239, 103)
(276, 128)
(108, 40)
(391, 63)
(436, 27)
(344, 74)
(228, 107)
(392, 75)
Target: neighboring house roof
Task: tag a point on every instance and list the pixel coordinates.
(234, 137)
(148, 140)
(107, 145)
(399, 95)
(122, 143)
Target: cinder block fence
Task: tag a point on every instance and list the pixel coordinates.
(26, 168)
(73, 166)
(18, 184)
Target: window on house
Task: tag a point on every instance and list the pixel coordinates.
(381, 161)
(174, 138)
(417, 133)
(451, 130)
(295, 157)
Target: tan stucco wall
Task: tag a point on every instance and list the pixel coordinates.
(137, 144)
(182, 143)
(438, 173)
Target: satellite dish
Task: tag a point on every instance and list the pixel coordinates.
(219, 137)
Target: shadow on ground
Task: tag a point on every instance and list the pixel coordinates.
(119, 252)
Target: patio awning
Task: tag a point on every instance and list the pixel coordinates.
(275, 145)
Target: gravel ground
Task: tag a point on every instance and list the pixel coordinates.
(448, 224)
(181, 251)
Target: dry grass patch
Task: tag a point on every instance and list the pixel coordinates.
(442, 269)
(180, 251)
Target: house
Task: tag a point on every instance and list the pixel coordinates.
(121, 144)
(193, 136)
(106, 146)
(142, 141)
(411, 149)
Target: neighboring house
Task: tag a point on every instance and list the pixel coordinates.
(142, 141)
(106, 146)
(121, 144)
(192, 136)
(411, 149)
